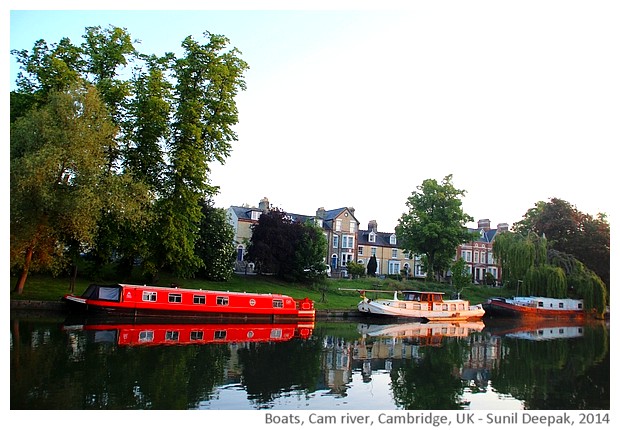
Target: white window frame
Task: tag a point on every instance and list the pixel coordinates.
(348, 241)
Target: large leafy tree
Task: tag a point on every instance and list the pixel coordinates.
(570, 231)
(208, 78)
(529, 265)
(171, 120)
(57, 160)
(291, 250)
(435, 224)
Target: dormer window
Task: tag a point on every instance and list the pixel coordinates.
(255, 215)
(372, 237)
(393, 239)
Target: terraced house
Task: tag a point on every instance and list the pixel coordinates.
(346, 242)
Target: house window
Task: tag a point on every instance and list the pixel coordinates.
(222, 300)
(255, 215)
(352, 226)
(199, 300)
(149, 296)
(372, 237)
(373, 251)
(393, 267)
(174, 298)
(394, 253)
(476, 256)
(335, 242)
(490, 257)
(393, 239)
(483, 257)
(346, 257)
(338, 224)
(278, 303)
(347, 241)
(360, 250)
(466, 255)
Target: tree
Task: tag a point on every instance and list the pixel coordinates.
(207, 80)
(291, 250)
(215, 245)
(356, 270)
(435, 224)
(527, 264)
(173, 118)
(570, 231)
(57, 161)
(371, 268)
(461, 278)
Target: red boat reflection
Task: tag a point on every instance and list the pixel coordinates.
(192, 333)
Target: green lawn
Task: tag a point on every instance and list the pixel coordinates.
(329, 295)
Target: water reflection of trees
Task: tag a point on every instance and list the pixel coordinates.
(570, 373)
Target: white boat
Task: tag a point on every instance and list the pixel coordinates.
(422, 305)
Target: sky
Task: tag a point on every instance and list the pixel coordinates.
(355, 104)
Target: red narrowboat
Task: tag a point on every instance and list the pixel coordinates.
(150, 301)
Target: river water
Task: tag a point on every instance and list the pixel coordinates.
(61, 363)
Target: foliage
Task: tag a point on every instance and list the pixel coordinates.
(528, 265)
(356, 270)
(572, 232)
(461, 278)
(372, 266)
(434, 225)
(215, 245)
(158, 132)
(57, 161)
(289, 249)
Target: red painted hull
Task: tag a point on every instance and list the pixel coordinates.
(495, 307)
(149, 301)
(149, 334)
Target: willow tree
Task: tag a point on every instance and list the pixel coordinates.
(527, 264)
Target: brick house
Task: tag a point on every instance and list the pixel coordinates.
(478, 254)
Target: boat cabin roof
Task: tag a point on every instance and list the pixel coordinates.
(423, 296)
(422, 292)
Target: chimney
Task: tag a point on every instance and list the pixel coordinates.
(372, 225)
(484, 224)
(320, 213)
(502, 227)
(263, 205)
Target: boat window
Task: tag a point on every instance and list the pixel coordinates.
(149, 296)
(452, 307)
(174, 298)
(444, 307)
(561, 305)
(540, 304)
(221, 300)
(109, 293)
(199, 300)
(146, 336)
(278, 303)
(276, 333)
(172, 335)
(402, 305)
(219, 334)
(196, 335)
(579, 305)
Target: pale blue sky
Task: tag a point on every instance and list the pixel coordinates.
(357, 107)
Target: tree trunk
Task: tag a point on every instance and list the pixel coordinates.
(19, 287)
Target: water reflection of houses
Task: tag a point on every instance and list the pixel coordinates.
(370, 355)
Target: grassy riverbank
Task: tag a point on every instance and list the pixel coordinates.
(327, 296)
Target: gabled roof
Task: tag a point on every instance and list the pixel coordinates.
(381, 239)
(485, 236)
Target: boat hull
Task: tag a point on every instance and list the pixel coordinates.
(503, 308)
(147, 301)
(391, 309)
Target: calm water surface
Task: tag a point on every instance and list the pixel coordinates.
(59, 363)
